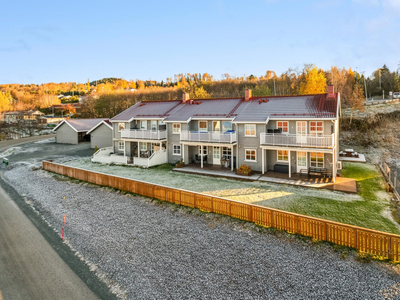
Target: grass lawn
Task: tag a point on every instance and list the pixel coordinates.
(370, 208)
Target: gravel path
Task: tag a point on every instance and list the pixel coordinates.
(150, 250)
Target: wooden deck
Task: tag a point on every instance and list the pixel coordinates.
(347, 185)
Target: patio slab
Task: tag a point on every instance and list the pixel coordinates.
(360, 158)
(347, 185)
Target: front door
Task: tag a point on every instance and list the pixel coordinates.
(216, 156)
(301, 161)
(301, 132)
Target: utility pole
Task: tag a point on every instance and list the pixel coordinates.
(274, 88)
(365, 85)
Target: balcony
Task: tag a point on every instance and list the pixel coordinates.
(144, 134)
(297, 140)
(227, 137)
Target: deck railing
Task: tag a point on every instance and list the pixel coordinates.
(210, 137)
(297, 140)
(144, 134)
(381, 244)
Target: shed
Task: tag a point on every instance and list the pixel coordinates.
(74, 131)
(101, 135)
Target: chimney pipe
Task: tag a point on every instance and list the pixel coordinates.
(185, 97)
(331, 92)
(247, 95)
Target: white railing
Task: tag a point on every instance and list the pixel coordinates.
(144, 134)
(157, 158)
(106, 156)
(211, 137)
(297, 140)
(103, 151)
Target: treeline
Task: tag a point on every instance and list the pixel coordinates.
(109, 96)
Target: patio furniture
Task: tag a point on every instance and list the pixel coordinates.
(281, 168)
(197, 159)
(303, 172)
(317, 171)
(349, 152)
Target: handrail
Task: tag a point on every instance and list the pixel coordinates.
(297, 140)
(208, 136)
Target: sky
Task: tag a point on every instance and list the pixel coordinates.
(65, 41)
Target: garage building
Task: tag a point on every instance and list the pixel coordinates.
(74, 131)
(101, 135)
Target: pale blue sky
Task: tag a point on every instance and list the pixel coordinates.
(54, 41)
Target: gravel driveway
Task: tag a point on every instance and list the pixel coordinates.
(150, 250)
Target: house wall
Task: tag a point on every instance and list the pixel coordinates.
(174, 138)
(101, 137)
(246, 142)
(66, 135)
(329, 127)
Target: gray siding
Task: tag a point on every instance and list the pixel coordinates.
(246, 142)
(101, 137)
(66, 135)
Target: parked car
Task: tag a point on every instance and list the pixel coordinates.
(396, 95)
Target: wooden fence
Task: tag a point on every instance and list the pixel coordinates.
(381, 244)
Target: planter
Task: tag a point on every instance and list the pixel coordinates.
(243, 174)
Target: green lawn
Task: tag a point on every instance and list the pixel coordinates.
(370, 208)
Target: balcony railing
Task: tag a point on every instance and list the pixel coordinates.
(297, 140)
(210, 137)
(144, 134)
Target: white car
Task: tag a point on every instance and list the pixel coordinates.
(396, 95)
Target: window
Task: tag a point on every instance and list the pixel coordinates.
(250, 130)
(143, 125)
(250, 154)
(283, 155)
(176, 149)
(143, 147)
(204, 150)
(121, 145)
(153, 125)
(216, 126)
(284, 125)
(121, 126)
(226, 152)
(317, 128)
(226, 125)
(176, 128)
(317, 159)
(202, 125)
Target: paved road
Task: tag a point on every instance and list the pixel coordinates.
(29, 266)
(13, 143)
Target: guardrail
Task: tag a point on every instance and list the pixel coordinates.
(384, 245)
(297, 140)
(144, 134)
(211, 137)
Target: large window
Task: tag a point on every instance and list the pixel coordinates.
(204, 150)
(176, 128)
(250, 155)
(250, 130)
(283, 155)
(216, 126)
(176, 149)
(316, 128)
(143, 125)
(284, 125)
(226, 126)
(202, 125)
(121, 145)
(226, 152)
(121, 126)
(153, 125)
(143, 147)
(317, 159)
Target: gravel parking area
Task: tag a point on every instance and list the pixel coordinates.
(145, 249)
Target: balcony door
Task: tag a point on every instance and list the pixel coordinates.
(301, 161)
(216, 155)
(301, 132)
(216, 131)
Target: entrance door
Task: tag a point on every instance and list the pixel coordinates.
(301, 132)
(301, 161)
(216, 156)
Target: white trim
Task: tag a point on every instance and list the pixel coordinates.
(118, 126)
(199, 125)
(293, 118)
(277, 155)
(255, 154)
(65, 122)
(102, 122)
(180, 128)
(119, 145)
(211, 118)
(173, 149)
(249, 122)
(277, 126)
(323, 159)
(255, 130)
(330, 151)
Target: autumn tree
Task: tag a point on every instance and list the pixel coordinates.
(314, 81)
